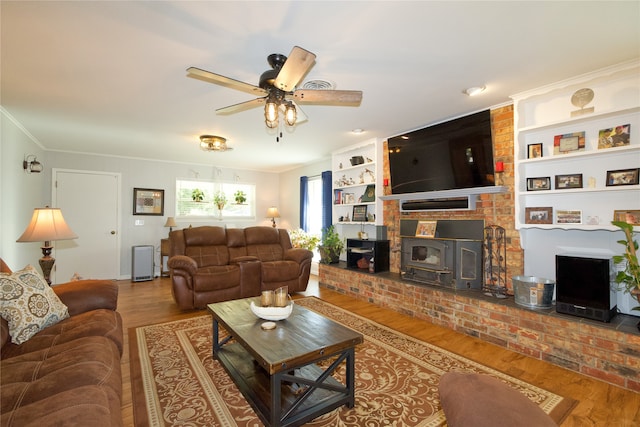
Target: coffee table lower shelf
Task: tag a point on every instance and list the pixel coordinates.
(292, 397)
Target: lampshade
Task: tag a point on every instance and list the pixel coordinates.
(171, 222)
(47, 224)
(272, 212)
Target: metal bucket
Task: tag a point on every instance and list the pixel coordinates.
(533, 292)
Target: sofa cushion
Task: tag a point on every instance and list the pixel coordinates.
(214, 278)
(28, 304)
(206, 256)
(88, 366)
(470, 399)
(103, 322)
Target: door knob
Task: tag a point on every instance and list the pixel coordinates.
(113, 231)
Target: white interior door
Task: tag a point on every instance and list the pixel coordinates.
(89, 202)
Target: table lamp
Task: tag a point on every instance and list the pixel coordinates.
(273, 213)
(47, 224)
(171, 222)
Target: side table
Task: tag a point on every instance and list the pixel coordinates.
(164, 257)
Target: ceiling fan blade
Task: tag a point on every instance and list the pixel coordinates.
(328, 97)
(210, 77)
(298, 63)
(243, 106)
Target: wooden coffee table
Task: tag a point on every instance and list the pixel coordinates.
(276, 370)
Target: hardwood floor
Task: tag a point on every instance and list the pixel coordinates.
(600, 404)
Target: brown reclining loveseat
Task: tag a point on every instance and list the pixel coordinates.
(210, 264)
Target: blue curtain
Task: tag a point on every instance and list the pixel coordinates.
(304, 199)
(327, 202)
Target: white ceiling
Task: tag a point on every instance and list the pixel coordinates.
(109, 77)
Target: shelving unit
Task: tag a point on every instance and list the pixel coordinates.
(356, 185)
(542, 114)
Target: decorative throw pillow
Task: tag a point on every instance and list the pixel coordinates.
(28, 304)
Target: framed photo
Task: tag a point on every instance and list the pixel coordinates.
(359, 213)
(614, 137)
(569, 217)
(426, 228)
(568, 143)
(568, 181)
(147, 201)
(369, 194)
(622, 177)
(543, 215)
(534, 151)
(348, 198)
(631, 216)
(540, 183)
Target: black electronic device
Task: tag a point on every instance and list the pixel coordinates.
(583, 287)
(451, 155)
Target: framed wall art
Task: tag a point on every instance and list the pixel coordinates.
(426, 228)
(539, 183)
(631, 216)
(534, 151)
(614, 137)
(359, 213)
(539, 215)
(622, 177)
(568, 143)
(569, 217)
(147, 201)
(568, 181)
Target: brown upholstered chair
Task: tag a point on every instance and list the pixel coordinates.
(281, 264)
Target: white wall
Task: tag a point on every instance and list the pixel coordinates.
(20, 193)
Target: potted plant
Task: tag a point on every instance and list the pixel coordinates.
(240, 197)
(197, 195)
(331, 246)
(304, 240)
(628, 279)
(220, 199)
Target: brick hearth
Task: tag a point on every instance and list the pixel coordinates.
(607, 351)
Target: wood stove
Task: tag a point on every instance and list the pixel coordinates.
(451, 258)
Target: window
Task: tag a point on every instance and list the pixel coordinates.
(196, 199)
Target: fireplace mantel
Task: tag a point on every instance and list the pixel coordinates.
(466, 195)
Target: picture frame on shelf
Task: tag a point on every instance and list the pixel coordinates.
(568, 143)
(618, 136)
(369, 194)
(359, 213)
(569, 217)
(538, 215)
(539, 183)
(348, 198)
(148, 201)
(426, 229)
(534, 151)
(631, 216)
(568, 181)
(623, 177)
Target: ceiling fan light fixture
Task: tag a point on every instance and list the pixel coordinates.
(213, 143)
(290, 114)
(271, 113)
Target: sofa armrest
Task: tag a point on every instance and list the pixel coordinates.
(183, 262)
(298, 255)
(86, 295)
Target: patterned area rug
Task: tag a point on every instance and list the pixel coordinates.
(175, 381)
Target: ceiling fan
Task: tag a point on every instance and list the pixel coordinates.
(277, 89)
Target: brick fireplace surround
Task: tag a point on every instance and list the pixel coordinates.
(609, 352)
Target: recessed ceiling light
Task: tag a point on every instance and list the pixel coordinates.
(357, 131)
(476, 90)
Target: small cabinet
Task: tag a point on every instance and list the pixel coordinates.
(378, 250)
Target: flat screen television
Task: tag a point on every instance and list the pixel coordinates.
(450, 155)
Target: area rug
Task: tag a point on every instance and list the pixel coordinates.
(175, 380)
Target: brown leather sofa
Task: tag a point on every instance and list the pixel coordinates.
(68, 373)
(210, 264)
